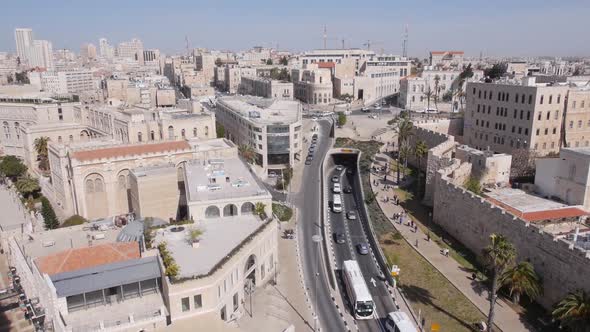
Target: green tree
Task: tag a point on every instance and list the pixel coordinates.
(496, 71)
(341, 119)
(48, 214)
(405, 150)
(403, 130)
(436, 90)
(472, 184)
(42, 153)
(27, 185)
(269, 62)
(22, 78)
(499, 255)
(247, 153)
(420, 150)
(428, 94)
(12, 167)
(521, 279)
(260, 209)
(220, 130)
(284, 61)
(74, 220)
(218, 62)
(574, 311)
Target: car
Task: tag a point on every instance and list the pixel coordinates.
(351, 215)
(335, 179)
(365, 109)
(362, 248)
(339, 238)
(378, 107)
(339, 168)
(349, 171)
(311, 148)
(315, 136)
(373, 116)
(308, 162)
(347, 190)
(336, 188)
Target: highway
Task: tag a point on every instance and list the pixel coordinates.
(355, 233)
(315, 268)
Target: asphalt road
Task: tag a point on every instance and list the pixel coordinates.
(355, 233)
(315, 272)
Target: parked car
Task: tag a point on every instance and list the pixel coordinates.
(365, 109)
(347, 189)
(335, 179)
(339, 168)
(351, 215)
(336, 188)
(362, 248)
(339, 238)
(308, 161)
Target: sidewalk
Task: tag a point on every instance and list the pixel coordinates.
(506, 318)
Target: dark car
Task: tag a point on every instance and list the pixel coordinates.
(347, 190)
(335, 179)
(362, 248)
(339, 238)
(349, 171)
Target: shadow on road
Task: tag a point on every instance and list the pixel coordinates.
(292, 307)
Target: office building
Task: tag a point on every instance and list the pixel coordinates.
(132, 49)
(106, 50)
(88, 52)
(266, 87)
(313, 86)
(447, 59)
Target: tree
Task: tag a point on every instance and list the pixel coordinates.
(42, 153)
(269, 62)
(466, 73)
(48, 214)
(247, 152)
(74, 220)
(341, 119)
(523, 164)
(403, 129)
(22, 78)
(420, 150)
(194, 234)
(499, 255)
(448, 96)
(521, 279)
(436, 90)
(220, 130)
(260, 209)
(405, 150)
(496, 71)
(12, 167)
(574, 311)
(27, 185)
(284, 61)
(218, 62)
(472, 184)
(428, 94)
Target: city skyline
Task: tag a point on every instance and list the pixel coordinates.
(473, 28)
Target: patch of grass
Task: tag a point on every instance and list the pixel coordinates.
(284, 213)
(428, 290)
(74, 220)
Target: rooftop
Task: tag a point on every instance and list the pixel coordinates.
(81, 258)
(220, 179)
(264, 111)
(530, 207)
(130, 150)
(220, 237)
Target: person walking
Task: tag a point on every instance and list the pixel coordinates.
(416, 243)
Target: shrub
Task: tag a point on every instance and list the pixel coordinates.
(473, 185)
(284, 213)
(48, 214)
(12, 167)
(74, 220)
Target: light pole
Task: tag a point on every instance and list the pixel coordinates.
(316, 239)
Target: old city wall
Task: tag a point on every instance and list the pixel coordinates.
(471, 220)
(431, 139)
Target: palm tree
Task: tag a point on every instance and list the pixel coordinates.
(420, 150)
(521, 279)
(499, 255)
(247, 152)
(574, 311)
(27, 185)
(260, 209)
(403, 129)
(428, 94)
(42, 153)
(405, 150)
(436, 89)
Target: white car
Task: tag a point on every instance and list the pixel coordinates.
(336, 188)
(431, 111)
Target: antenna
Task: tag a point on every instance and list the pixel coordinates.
(343, 44)
(186, 45)
(325, 36)
(405, 43)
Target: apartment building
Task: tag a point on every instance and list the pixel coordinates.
(507, 116)
(267, 88)
(271, 127)
(233, 77)
(447, 59)
(357, 57)
(313, 86)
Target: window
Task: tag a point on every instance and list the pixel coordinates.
(530, 99)
(59, 140)
(548, 115)
(170, 133)
(539, 116)
(554, 130)
(195, 132)
(541, 101)
(139, 138)
(183, 133)
(489, 109)
(556, 115)
(522, 99)
(513, 128)
(552, 145)
(515, 112)
(521, 114)
(550, 99)
(538, 130)
(558, 99)
(519, 130)
(580, 124)
(582, 104)
(526, 131)
(197, 301)
(152, 137)
(546, 131)
(544, 146)
(574, 104)
(185, 303)
(17, 130)
(528, 115)
(236, 301)
(571, 126)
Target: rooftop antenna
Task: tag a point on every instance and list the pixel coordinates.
(405, 43)
(325, 37)
(186, 45)
(343, 44)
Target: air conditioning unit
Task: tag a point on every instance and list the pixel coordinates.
(48, 243)
(98, 236)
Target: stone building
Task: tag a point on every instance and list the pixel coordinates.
(267, 88)
(313, 86)
(447, 59)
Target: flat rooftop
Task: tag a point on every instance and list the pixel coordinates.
(530, 207)
(264, 110)
(220, 237)
(220, 179)
(198, 144)
(130, 150)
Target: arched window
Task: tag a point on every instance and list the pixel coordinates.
(98, 186)
(6, 129)
(58, 139)
(183, 133)
(152, 136)
(139, 136)
(71, 138)
(170, 133)
(206, 131)
(541, 101)
(89, 186)
(195, 132)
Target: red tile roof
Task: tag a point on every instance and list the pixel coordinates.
(565, 212)
(81, 258)
(130, 150)
(326, 65)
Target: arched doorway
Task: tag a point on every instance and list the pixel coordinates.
(247, 208)
(123, 192)
(250, 270)
(212, 212)
(95, 196)
(230, 210)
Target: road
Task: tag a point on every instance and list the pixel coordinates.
(315, 272)
(355, 233)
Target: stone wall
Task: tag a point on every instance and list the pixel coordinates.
(471, 220)
(431, 139)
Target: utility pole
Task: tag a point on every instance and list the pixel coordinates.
(343, 43)
(405, 43)
(186, 45)
(325, 37)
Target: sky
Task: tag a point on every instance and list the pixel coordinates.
(492, 27)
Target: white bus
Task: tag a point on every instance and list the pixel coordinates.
(360, 298)
(337, 203)
(398, 321)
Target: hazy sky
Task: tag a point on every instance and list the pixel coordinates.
(494, 27)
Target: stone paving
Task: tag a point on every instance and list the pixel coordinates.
(506, 318)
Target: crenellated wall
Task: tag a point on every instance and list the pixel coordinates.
(471, 220)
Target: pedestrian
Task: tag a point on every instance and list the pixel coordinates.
(415, 228)
(416, 243)
(428, 237)
(473, 276)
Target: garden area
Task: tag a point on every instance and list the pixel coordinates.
(283, 212)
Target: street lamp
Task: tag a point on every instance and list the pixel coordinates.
(317, 238)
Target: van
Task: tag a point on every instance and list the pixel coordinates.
(398, 321)
(337, 203)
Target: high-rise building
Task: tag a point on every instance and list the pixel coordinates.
(106, 50)
(130, 49)
(88, 52)
(24, 43)
(41, 54)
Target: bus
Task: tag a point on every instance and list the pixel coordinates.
(399, 321)
(361, 301)
(337, 203)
